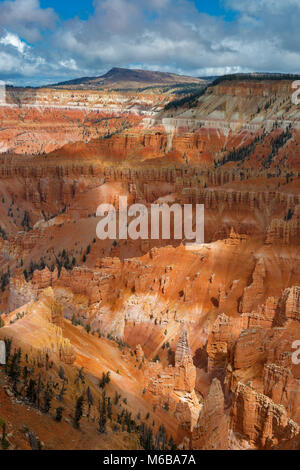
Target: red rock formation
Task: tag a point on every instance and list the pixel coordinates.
(139, 353)
(224, 333)
(259, 419)
(282, 387)
(253, 294)
(211, 431)
(237, 293)
(181, 377)
(291, 299)
(57, 314)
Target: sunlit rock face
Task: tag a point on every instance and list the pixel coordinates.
(211, 430)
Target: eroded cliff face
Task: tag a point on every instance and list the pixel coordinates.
(201, 339)
(211, 431)
(262, 422)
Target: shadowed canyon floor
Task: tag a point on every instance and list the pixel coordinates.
(123, 344)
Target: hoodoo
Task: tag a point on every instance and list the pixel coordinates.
(134, 342)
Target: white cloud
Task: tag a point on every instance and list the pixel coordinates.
(256, 7)
(170, 35)
(11, 39)
(26, 18)
(69, 64)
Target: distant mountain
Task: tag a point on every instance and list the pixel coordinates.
(210, 78)
(129, 78)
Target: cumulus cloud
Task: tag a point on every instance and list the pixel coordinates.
(26, 18)
(10, 39)
(169, 35)
(184, 39)
(257, 7)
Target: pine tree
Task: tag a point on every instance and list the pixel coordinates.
(102, 423)
(38, 391)
(25, 376)
(102, 417)
(161, 438)
(78, 411)
(3, 440)
(14, 370)
(59, 413)
(80, 377)
(109, 409)
(172, 445)
(31, 391)
(62, 392)
(90, 401)
(105, 379)
(117, 398)
(61, 373)
(47, 399)
(146, 437)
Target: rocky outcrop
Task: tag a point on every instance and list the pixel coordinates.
(285, 232)
(291, 299)
(44, 278)
(57, 313)
(182, 349)
(224, 333)
(263, 316)
(259, 419)
(20, 292)
(175, 385)
(211, 430)
(235, 239)
(237, 292)
(253, 294)
(182, 376)
(66, 352)
(185, 371)
(280, 385)
(139, 353)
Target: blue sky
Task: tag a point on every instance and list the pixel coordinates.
(43, 41)
(69, 9)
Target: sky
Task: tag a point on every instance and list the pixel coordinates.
(43, 41)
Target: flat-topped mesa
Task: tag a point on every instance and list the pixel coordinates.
(183, 350)
(243, 87)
